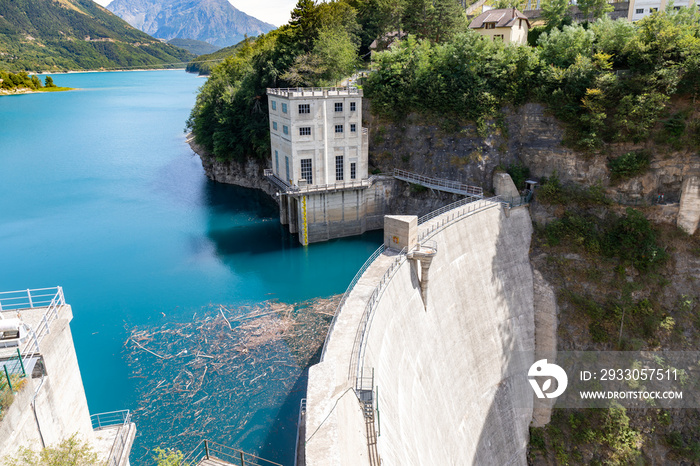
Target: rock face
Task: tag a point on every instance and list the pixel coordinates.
(248, 174)
(214, 21)
(532, 138)
(689, 214)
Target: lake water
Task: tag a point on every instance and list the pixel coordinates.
(101, 195)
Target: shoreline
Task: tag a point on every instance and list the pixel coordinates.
(105, 71)
(26, 90)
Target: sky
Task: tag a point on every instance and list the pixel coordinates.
(270, 11)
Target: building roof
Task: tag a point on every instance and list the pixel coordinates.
(504, 18)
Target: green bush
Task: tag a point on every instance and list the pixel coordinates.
(519, 174)
(70, 452)
(629, 165)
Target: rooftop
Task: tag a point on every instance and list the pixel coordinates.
(315, 91)
(503, 17)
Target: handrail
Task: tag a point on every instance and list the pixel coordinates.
(302, 412)
(206, 449)
(438, 183)
(313, 91)
(29, 299)
(350, 287)
(466, 207)
(289, 189)
(363, 327)
(120, 419)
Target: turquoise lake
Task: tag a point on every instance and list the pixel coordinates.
(101, 195)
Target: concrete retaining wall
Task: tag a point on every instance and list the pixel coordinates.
(61, 407)
(339, 213)
(443, 373)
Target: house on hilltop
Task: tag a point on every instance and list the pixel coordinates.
(507, 24)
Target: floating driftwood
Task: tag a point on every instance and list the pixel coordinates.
(208, 377)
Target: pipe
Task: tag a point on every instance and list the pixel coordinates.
(36, 418)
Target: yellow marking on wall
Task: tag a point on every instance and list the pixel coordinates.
(305, 228)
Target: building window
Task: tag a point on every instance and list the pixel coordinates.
(338, 128)
(285, 129)
(520, 25)
(353, 127)
(306, 170)
(274, 125)
(653, 10)
(352, 106)
(304, 108)
(353, 171)
(277, 163)
(284, 108)
(498, 37)
(338, 168)
(286, 165)
(274, 105)
(640, 11)
(677, 8)
(305, 131)
(338, 106)
(490, 25)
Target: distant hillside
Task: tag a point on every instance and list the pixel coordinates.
(214, 21)
(203, 64)
(59, 35)
(195, 47)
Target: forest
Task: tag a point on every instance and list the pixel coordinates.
(607, 81)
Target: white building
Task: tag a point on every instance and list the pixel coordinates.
(640, 8)
(316, 136)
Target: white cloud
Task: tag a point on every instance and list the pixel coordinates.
(270, 11)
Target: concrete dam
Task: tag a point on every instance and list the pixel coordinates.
(419, 366)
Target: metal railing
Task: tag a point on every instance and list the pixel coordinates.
(302, 413)
(349, 289)
(114, 419)
(286, 188)
(313, 91)
(438, 183)
(207, 449)
(29, 299)
(50, 298)
(360, 342)
(11, 366)
(457, 211)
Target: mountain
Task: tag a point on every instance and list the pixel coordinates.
(60, 35)
(203, 64)
(214, 21)
(195, 47)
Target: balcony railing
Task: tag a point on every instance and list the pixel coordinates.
(115, 420)
(314, 91)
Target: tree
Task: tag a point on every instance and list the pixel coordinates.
(595, 7)
(417, 17)
(48, 82)
(556, 13)
(167, 457)
(448, 18)
(70, 452)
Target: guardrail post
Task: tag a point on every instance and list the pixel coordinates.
(9, 382)
(242, 463)
(21, 363)
(29, 295)
(206, 448)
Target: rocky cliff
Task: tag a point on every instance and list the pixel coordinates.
(529, 136)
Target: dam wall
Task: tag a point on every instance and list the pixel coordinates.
(446, 385)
